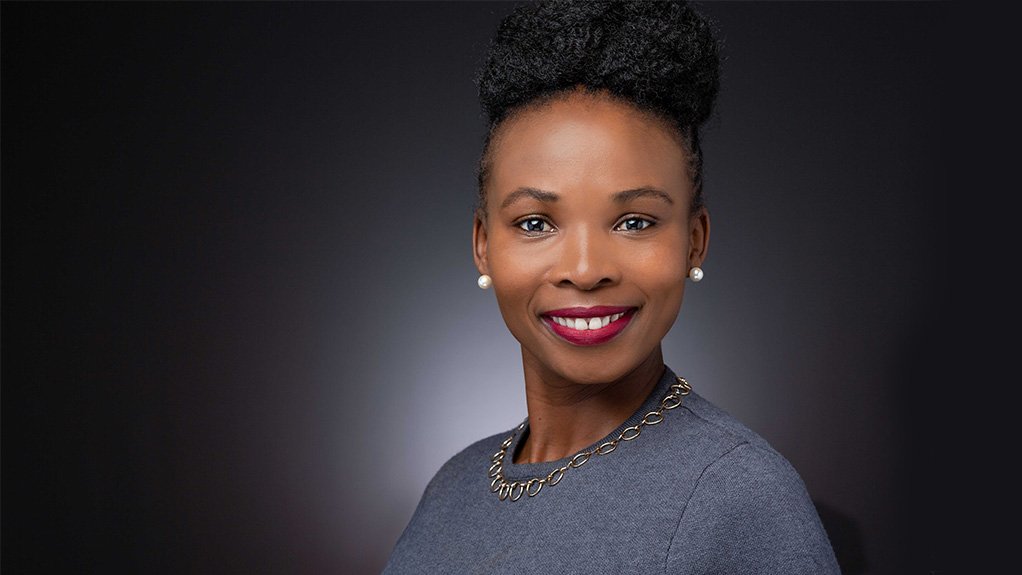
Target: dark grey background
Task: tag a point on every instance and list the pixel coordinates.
(240, 322)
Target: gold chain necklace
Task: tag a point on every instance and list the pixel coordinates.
(513, 490)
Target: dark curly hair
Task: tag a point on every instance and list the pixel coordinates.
(661, 57)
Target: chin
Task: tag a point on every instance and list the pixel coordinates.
(595, 369)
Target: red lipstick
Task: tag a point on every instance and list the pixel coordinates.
(589, 336)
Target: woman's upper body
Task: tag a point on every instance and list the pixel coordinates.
(590, 222)
(696, 493)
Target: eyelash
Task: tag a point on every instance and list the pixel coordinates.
(648, 221)
(543, 221)
(522, 223)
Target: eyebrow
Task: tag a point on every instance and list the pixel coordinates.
(533, 193)
(619, 197)
(643, 192)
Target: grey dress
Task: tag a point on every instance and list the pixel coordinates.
(697, 493)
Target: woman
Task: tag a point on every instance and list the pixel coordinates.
(590, 221)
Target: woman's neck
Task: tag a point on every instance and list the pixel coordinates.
(566, 417)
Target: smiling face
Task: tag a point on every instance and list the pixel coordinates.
(588, 235)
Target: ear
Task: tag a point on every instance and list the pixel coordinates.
(699, 237)
(479, 239)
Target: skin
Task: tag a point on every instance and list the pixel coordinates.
(580, 238)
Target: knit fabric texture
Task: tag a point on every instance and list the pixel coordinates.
(697, 493)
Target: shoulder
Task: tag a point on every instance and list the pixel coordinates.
(705, 436)
(748, 506)
(735, 464)
(452, 496)
(721, 425)
(462, 470)
(467, 460)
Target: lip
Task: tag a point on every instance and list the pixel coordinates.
(595, 311)
(590, 336)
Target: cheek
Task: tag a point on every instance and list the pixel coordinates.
(513, 298)
(662, 261)
(667, 286)
(516, 275)
(514, 265)
(660, 273)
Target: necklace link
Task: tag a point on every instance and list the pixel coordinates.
(514, 490)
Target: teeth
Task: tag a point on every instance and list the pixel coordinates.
(583, 324)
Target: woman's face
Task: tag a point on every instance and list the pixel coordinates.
(588, 235)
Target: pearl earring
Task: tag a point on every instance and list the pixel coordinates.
(696, 273)
(484, 281)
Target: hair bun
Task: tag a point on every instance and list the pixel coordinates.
(662, 56)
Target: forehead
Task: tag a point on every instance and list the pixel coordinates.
(586, 141)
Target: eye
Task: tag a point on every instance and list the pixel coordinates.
(634, 224)
(535, 226)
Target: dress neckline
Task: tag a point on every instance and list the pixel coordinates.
(517, 471)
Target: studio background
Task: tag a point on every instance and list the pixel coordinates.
(240, 323)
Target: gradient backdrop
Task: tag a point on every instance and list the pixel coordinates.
(240, 323)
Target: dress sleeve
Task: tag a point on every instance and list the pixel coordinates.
(750, 513)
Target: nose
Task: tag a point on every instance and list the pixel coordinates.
(586, 261)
